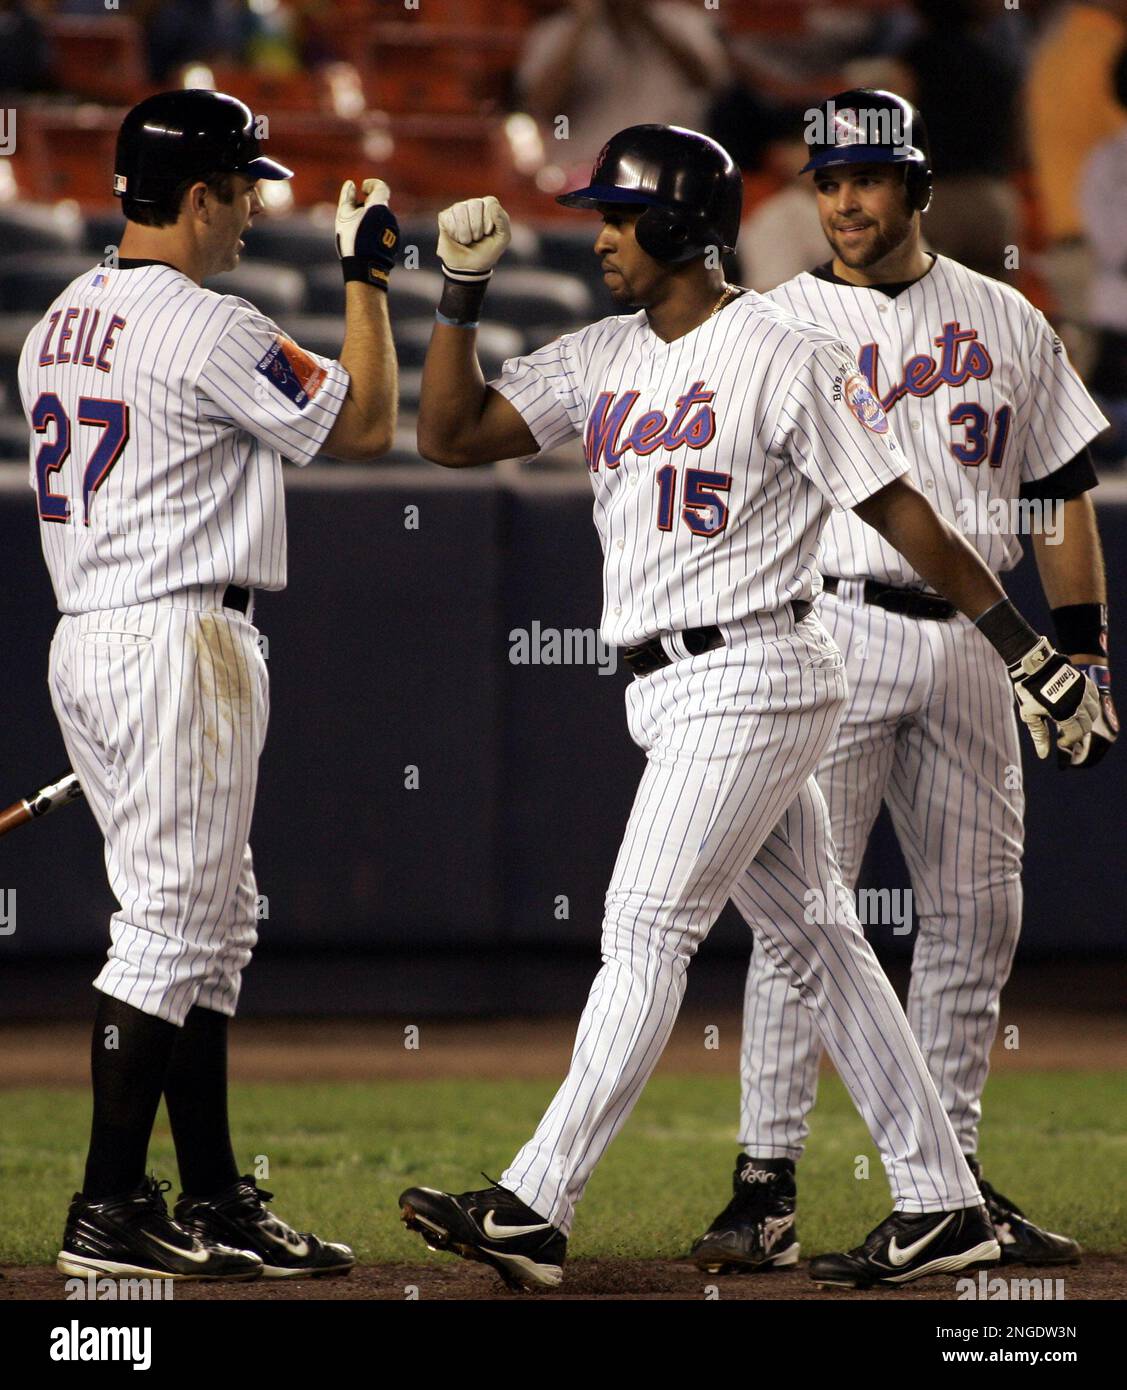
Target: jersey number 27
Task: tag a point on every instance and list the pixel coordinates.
(113, 419)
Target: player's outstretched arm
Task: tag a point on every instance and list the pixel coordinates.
(1046, 687)
(367, 237)
(461, 420)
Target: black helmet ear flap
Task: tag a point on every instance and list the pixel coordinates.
(917, 179)
(674, 235)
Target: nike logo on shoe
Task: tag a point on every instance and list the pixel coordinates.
(898, 1257)
(198, 1257)
(290, 1242)
(495, 1232)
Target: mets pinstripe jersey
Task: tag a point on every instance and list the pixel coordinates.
(715, 460)
(985, 403)
(160, 413)
(979, 390)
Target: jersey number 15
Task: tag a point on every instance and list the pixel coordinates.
(113, 419)
(703, 511)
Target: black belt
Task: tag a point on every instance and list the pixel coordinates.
(234, 596)
(910, 602)
(651, 656)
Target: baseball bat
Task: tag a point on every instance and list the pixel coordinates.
(46, 800)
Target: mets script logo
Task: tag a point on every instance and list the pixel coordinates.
(961, 358)
(692, 426)
(859, 398)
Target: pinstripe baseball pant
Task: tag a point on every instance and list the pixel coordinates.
(929, 727)
(163, 709)
(727, 807)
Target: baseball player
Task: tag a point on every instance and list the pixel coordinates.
(160, 413)
(991, 416)
(719, 432)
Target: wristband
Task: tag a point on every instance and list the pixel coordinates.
(466, 277)
(365, 271)
(1081, 627)
(460, 305)
(440, 317)
(1007, 631)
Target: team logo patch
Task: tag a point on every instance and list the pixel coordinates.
(292, 371)
(863, 403)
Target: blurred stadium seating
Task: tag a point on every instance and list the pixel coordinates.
(422, 97)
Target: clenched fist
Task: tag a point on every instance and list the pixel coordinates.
(367, 233)
(472, 237)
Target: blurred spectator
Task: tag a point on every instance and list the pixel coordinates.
(607, 64)
(91, 9)
(1071, 109)
(783, 236)
(25, 60)
(969, 91)
(1103, 208)
(187, 31)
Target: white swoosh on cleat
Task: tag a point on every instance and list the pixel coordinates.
(495, 1232)
(198, 1257)
(299, 1248)
(899, 1257)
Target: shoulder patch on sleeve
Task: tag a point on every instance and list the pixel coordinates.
(292, 371)
(851, 387)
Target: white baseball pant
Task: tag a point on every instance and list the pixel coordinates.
(929, 727)
(163, 709)
(727, 807)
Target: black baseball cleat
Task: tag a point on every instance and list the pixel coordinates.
(1022, 1242)
(238, 1216)
(492, 1226)
(134, 1235)
(909, 1246)
(755, 1231)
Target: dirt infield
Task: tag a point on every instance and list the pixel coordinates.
(55, 1054)
(1099, 1277)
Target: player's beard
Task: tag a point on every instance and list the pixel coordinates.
(887, 239)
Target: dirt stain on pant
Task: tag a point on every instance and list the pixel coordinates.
(223, 684)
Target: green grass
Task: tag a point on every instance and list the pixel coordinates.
(339, 1154)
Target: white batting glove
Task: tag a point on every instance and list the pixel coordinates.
(472, 236)
(1047, 688)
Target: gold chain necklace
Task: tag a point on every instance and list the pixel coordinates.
(730, 293)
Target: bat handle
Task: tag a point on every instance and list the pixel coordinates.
(14, 815)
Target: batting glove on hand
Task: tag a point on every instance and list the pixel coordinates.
(367, 233)
(1088, 751)
(1047, 688)
(472, 237)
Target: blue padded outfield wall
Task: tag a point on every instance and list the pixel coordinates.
(391, 651)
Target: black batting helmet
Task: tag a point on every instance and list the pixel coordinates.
(175, 136)
(691, 188)
(869, 126)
